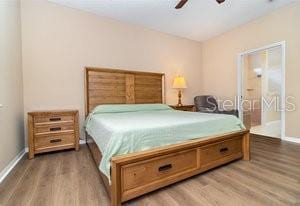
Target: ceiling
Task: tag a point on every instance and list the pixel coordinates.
(197, 20)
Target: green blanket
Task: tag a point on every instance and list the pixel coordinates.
(123, 129)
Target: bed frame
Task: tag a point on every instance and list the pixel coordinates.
(138, 173)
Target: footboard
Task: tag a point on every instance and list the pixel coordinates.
(170, 164)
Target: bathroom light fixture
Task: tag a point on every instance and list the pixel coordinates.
(258, 71)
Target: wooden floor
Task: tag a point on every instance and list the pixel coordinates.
(71, 178)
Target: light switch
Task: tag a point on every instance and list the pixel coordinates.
(1, 105)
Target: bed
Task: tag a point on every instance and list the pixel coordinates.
(140, 135)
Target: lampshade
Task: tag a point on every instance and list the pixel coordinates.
(179, 83)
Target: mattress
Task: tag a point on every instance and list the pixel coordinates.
(123, 131)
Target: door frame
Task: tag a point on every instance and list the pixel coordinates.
(240, 81)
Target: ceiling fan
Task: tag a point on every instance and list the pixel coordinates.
(182, 3)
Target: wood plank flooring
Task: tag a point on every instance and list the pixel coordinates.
(71, 178)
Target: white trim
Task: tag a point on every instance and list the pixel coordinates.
(240, 64)
(292, 139)
(263, 48)
(11, 165)
(282, 44)
(283, 97)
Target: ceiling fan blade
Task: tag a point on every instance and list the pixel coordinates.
(220, 1)
(181, 4)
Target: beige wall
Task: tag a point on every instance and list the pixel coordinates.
(11, 95)
(58, 42)
(220, 56)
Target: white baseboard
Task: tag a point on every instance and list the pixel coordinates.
(11, 165)
(292, 139)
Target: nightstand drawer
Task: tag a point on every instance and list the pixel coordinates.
(54, 128)
(53, 141)
(51, 119)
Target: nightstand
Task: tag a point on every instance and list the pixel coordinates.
(189, 108)
(52, 130)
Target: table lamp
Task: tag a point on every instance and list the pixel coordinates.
(180, 84)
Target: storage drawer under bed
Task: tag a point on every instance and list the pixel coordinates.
(158, 169)
(221, 151)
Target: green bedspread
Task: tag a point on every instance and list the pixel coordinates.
(123, 129)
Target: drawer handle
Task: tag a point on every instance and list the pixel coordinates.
(55, 140)
(55, 119)
(225, 149)
(165, 167)
(55, 129)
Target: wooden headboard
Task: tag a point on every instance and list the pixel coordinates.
(112, 86)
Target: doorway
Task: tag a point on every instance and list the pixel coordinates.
(261, 89)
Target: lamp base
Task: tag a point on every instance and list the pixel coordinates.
(179, 104)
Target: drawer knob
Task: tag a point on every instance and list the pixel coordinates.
(165, 167)
(55, 129)
(55, 119)
(225, 149)
(55, 140)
